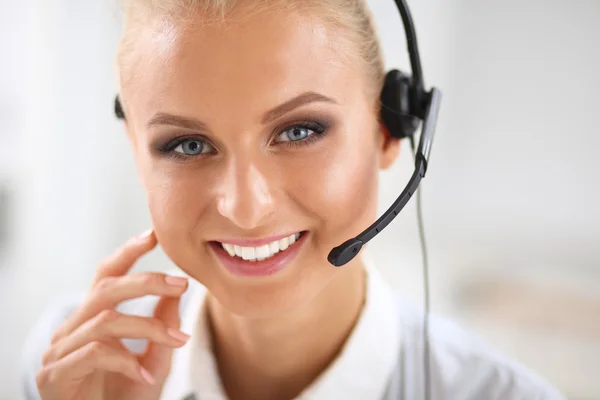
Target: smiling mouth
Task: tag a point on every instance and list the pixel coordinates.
(263, 252)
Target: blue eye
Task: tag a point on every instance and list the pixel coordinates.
(191, 147)
(298, 133)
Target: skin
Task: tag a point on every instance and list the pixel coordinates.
(250, 184)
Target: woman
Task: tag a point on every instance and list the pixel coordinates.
(253, 123)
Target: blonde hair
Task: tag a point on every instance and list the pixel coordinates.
(351, 17)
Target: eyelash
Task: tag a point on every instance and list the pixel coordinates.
(319, 130)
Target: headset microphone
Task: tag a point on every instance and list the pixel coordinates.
(349, 249)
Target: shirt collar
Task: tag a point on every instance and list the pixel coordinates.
(361, 371)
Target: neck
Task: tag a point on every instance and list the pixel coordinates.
(277, 358)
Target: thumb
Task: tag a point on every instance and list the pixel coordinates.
(157, 358)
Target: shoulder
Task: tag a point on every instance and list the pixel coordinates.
(38, 338)
(462, 364)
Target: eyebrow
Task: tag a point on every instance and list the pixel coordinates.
(304, 98)
(176, 120)
(194, 124)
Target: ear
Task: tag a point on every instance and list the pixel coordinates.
(389, 147)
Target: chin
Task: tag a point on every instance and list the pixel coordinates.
(255, 304)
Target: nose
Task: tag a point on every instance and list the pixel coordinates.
(245, 197)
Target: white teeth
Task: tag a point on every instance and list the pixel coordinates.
(262, 252)
(238, 250)
(229, 248)
(248, 253)
(284, 243)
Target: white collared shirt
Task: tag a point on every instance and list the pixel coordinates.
(381, 360)
(361, 371)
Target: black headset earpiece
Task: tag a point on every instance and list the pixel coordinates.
(118, 108)
(398, 110)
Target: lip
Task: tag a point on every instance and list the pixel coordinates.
(270, 266)
(255, 242)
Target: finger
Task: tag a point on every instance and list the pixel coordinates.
(51, 355)
(121, 261)
(111, 291)
(157, 359)
(110, 325)
(92, 357)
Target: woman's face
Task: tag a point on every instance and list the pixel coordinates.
(253, 131)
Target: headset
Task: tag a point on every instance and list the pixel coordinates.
(405, 104)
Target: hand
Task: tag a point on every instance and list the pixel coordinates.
(86, 359)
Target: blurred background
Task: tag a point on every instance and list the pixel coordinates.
(511, 201)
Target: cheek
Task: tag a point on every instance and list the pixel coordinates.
(350, 197)
(169, 205)
(340, 188)
(176, 203)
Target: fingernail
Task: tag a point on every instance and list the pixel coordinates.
(147, 377)
(176, 281)
(146, 234)
(177, 334)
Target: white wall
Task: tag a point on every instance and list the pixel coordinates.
(512, 190)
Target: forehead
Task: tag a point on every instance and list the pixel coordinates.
(247, 63)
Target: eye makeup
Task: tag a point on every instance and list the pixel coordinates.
(165, 145)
